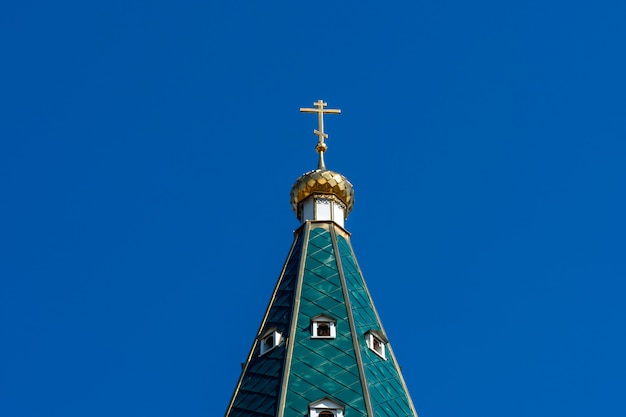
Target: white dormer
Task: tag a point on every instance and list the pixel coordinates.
(325, 408)
(270, 339)
(377, 342)
(323, 327)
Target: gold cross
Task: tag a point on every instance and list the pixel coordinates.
(319, 132)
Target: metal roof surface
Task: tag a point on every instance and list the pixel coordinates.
(321, 276)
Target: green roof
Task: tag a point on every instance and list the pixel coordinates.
(321, 276)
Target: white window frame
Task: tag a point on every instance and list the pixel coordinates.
(322, 318)
(277, 338)
(326, 404)
(374, 338)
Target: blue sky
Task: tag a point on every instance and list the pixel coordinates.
(148, 149)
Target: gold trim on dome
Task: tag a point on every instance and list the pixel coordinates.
(322, 182)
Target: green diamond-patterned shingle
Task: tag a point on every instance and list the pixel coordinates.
(259, 391)
(323, 367)
(387, 392)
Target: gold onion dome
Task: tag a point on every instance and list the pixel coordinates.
(322, 181)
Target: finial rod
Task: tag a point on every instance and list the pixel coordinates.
(319, 132)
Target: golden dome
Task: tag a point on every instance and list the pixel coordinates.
(322, 181)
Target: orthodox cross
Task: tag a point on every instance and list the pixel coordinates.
(319, 132)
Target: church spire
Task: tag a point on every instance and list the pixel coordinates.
(321, 349)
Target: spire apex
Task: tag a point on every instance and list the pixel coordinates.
(319, 132)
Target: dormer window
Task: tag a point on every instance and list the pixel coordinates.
(270, 340)
(323, 327)
(326, 408)
(376, 342)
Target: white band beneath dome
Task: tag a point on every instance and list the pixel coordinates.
(322, 207)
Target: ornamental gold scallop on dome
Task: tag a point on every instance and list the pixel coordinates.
(322, 180)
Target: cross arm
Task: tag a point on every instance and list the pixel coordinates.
(325, 111)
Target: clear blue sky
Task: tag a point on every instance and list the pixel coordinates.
(147, 152)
